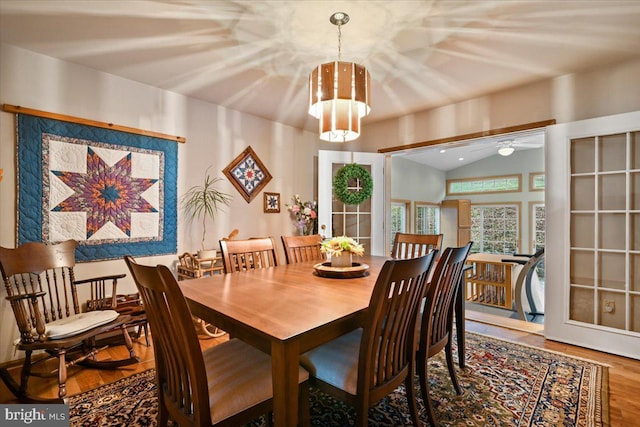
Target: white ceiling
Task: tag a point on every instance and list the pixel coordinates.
(453, 155)
(255, 56)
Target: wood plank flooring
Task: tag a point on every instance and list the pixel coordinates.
(624, 373)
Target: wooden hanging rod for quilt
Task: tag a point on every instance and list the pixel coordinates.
(21, 110)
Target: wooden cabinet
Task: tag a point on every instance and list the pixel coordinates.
(455, 222)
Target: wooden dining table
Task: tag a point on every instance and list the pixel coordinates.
(284, 311)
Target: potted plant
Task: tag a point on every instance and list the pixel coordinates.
(202, 202)
(341, 249)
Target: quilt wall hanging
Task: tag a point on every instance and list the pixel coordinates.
(248, 174)
(113, 191)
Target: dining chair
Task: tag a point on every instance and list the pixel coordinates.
(255, 253)
(42, 291)
(407, 245)
(228, 384)
(365, 365)
(435, 329)
(303, 248)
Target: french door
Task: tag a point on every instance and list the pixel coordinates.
(592, 251)
(363, 222)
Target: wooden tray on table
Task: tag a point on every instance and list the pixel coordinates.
(357, 269)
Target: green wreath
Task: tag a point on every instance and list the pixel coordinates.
(341, 184)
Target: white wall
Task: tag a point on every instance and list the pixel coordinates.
(611, 89)
(215, 136)
(414, 181)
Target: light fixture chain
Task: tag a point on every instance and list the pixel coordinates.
(339, 42)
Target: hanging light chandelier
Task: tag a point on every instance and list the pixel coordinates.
(339, 93)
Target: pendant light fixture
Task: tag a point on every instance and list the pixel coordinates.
(339, 93)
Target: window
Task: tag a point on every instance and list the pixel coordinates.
(489, 184)
(495, 228)
(536, 181)
(399, 218)
(427, 218)
(537, 215)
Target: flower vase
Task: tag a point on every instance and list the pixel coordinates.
(305, 229)
(341, 261)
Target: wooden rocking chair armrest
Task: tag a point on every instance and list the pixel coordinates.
(101, 278)
(100, 294)
(32, 296)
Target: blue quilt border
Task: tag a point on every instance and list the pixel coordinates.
(29, 166)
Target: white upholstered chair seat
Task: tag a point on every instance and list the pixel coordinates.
(73, 325)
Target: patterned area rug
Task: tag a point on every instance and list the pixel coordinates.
(504, 384)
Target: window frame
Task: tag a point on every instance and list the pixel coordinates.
(418, 205)
(517, 204)
(449, 182)
(532, 178)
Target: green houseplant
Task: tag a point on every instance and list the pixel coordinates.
(201, 202)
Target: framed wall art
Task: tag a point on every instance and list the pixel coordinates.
(247, 174)
(271, 202)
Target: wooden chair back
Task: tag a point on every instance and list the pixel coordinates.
(45, 272)
(436, 327)
(180, 368)
(256, 253)
(390, 321)
(303, 248)
(438, 314)
(407, 245)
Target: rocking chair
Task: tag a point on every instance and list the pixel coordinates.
(42, 291)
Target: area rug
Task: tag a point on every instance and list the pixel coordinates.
(504, 384)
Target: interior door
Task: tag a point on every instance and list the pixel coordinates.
(592, 251)
(364, 222)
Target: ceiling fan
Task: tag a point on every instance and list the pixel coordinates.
(508, 146)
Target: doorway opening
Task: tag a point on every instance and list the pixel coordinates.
(502, 177)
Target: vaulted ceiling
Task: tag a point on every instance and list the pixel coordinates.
(255, 56)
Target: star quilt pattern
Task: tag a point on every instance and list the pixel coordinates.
(113, 192)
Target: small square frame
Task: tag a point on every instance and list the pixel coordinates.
(248, 174)
(271, 202)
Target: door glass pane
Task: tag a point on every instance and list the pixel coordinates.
(612, 152)
(581, 270)
(611, 273)
(612, 231)
(583, 155)
(635, 313)
(635, 150)
(634, 232)
(612, 309)
(582, 193)
(612, 195)
(581, 305)
(635, 191)
(634, 280)
(582, 228)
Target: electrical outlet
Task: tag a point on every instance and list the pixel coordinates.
(609, 306)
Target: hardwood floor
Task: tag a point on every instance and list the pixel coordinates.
(624, 373)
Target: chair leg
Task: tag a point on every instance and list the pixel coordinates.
(452, 371)
(62, 374)
(423, 374)
(362, 412)
(128, 343)
(411, 398)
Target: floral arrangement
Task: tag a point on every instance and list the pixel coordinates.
(304, 213)
(337, 245)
